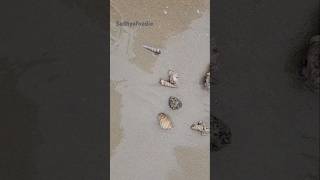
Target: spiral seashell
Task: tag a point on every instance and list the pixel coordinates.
(156, 51)
(201, 127)
(173, 77)
(167, 83)
(165, 121)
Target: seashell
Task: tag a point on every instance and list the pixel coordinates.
(172, 82)
(167, 83)
(207, 80)
(201, 127)
(165, 121)
(156, 51)
(174, 103)
(173, 77)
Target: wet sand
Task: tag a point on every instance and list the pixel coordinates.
(191, 161)
(169, 19)
(161, 154)
(115, 130)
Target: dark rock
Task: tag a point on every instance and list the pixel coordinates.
(175, 103)
(220, 134)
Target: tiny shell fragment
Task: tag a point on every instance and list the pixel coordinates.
(165, 121)
(201, 127)
(207, 80)
(173, 77)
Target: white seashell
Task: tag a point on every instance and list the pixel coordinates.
(207, 80)
(152, 49)
(201, 127)
(173, 77)
(165, 121)
(167, 84)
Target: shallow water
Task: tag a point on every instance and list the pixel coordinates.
(169, 18)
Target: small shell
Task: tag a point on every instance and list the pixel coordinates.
(201, 127)
(175, 103)
(156, 51)
(167, 84)
(207, 80)
(173, 77)
(165, 121)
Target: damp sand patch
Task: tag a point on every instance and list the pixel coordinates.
(193, 162)
(115, 128)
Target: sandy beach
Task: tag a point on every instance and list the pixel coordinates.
(140, 149)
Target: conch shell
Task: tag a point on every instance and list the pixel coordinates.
(156, 51)
(201, 127)
(165, 121)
